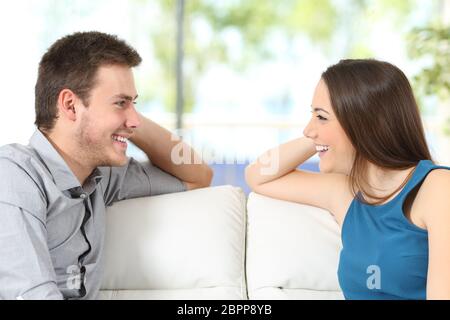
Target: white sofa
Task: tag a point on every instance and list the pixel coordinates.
(214, 244)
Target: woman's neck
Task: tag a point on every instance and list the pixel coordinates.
(383, 182)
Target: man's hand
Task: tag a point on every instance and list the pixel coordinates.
(158, 144)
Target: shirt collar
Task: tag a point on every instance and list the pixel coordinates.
(62, 174)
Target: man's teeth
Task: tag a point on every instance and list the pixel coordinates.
(119, 138)
(321, 148)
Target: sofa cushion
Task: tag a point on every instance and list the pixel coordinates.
(188, 245)
(292, 251)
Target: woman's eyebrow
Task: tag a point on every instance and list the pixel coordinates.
(320, 109)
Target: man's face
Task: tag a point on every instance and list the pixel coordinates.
(111, 114)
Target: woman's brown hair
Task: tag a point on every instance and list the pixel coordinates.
(375, 105)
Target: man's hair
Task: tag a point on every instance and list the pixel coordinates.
(72, 63)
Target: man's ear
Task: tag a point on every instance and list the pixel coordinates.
(67, 101)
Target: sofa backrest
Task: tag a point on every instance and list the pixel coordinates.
(292, 251)
(188, 245)
(209, 244)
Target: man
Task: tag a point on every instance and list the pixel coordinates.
(53, 192)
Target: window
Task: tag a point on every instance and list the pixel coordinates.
(249, 66)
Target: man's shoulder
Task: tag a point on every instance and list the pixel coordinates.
(16, 158)
(19, 177)
(16, 153)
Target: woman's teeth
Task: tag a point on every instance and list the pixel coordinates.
(321, 148)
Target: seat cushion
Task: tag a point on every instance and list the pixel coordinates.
(188, 245)
(292, 251)
(213, 293)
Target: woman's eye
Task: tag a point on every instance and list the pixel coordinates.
(318, 116)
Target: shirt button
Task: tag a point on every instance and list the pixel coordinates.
(83, 195)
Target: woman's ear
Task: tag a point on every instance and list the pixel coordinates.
(66, 104)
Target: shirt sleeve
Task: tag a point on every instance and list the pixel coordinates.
(137, 179)
(26, 268)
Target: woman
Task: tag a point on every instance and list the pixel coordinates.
(377, 178)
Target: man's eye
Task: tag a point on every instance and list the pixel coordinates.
(121, 103)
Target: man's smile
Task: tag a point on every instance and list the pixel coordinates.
(120, 141)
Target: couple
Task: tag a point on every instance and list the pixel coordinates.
(376, 176)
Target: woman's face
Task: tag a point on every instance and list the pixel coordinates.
(326, 132)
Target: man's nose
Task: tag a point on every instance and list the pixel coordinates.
(133, 118)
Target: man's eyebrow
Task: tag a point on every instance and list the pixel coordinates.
(126, 97)
(320, 109)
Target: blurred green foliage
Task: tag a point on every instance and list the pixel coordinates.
(209, 25)
(432, 42)
(241, 34)
(252, 21)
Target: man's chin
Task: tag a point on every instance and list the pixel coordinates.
(119, 163)
(115, 162)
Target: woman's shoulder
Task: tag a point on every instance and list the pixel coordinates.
(434, 195)
(439, 177)
(435, 185)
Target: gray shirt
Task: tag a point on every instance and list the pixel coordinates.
(52, 228)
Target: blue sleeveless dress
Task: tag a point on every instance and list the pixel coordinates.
(384, 255)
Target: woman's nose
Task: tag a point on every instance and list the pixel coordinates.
(309, 131)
